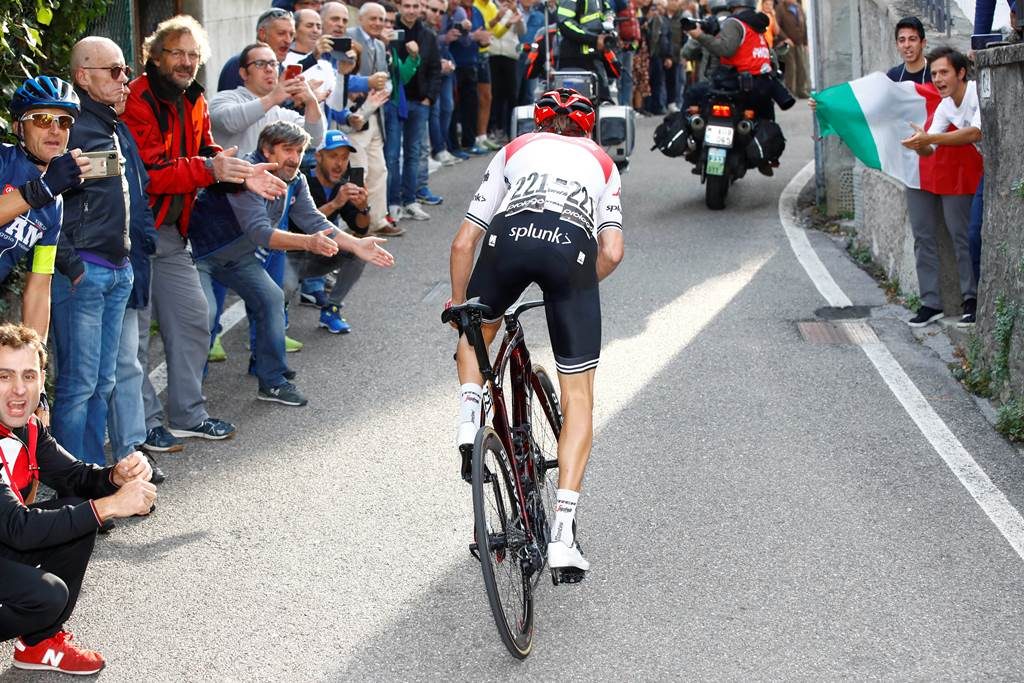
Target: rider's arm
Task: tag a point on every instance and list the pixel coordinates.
(608, 224)
(610, 247)
(461, 263)
(490, 194)
(725, 43)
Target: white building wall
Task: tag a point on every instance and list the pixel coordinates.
(231, 25)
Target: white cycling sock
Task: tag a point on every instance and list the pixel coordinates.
(565, 514)
(470, 400)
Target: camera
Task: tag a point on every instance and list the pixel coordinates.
(780, 93)
(688, 24)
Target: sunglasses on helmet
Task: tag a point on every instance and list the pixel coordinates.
(43, 120)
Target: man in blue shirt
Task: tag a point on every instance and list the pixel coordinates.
(34, 174)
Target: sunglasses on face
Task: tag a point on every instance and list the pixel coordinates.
(45, 121)
(115, 71)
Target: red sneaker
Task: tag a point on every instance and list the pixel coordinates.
(57, 654)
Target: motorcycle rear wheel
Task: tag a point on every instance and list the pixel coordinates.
(716, 187)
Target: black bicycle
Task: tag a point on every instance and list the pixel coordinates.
(514, 472)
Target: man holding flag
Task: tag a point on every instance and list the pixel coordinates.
(874, 116)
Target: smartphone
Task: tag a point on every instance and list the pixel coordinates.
(357, 176)
(341, 44)
(292, 71)
(104, 164)
(399, 35)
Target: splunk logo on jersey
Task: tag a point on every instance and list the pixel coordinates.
(554, 236)
(22, 230)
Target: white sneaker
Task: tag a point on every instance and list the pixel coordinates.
(566, 563)
(414, 212)
(396, 212)
(446, 158)
(672, 108)
(433, 165)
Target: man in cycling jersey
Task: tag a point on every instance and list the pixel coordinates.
(549, 212)
(33, 175)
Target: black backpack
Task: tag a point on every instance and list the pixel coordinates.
(671, 134)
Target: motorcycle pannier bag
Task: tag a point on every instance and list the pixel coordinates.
(671, 134)
(767, 144)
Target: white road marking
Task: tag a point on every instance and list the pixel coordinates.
(231, 316)
(805, 253)
(987, 495)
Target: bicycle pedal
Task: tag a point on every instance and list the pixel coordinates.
(466, 450)
(474, 550)
(567, 575)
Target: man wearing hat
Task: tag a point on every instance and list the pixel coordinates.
(340, 197)
(232, 225)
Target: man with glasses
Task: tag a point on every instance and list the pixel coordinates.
(167, 115)
(94, 275)
(276, 28)
(35, 173)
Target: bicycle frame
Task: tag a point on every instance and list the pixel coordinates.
(515, 433)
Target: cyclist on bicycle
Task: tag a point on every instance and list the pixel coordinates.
(549, 212)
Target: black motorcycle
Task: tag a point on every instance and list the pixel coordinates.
(717, 144)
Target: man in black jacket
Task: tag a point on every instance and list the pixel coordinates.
(45, 547)
(407, 115)
(94, 275)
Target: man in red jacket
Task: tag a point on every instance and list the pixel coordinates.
(167, 114)
(45, 547)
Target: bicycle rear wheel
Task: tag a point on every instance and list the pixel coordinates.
(501, 542)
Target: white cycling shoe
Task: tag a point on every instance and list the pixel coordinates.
(567, 563)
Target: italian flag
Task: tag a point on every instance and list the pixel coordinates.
(873, 114)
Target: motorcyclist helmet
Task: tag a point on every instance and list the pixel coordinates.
(578, 108)
(43, 92)
(749, 4)
(716, 6)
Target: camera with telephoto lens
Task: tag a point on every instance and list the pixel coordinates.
(688, 24)
(780, 93)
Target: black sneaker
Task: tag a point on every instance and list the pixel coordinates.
(926, 315)
(968, 318)
(210, 428)
(158, 475)
(287, 394)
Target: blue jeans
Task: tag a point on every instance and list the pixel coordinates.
(403, 141)
(126, 417)
(264, 303)
(626, 78)
(974, 228)
(441, 115)
(87, 321)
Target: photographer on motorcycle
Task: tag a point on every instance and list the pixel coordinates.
(693, 51)
(587, 30)
(744, 57)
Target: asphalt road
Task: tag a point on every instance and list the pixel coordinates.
(757, 506)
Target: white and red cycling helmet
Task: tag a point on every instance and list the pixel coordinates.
(579, 109)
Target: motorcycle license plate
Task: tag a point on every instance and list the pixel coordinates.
(720, 136)
(716, 161)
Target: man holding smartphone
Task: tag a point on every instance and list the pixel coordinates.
(94, 275)
(339, 192)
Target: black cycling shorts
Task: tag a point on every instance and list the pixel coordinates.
(561, 258)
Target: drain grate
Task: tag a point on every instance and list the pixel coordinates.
(847, 332)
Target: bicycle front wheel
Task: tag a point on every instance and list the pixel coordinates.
(501, 543)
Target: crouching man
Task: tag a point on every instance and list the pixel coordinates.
(229, 227)
(45, 547)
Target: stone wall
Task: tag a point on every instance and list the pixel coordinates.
(1001, 91)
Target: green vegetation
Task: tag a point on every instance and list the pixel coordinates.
(1010, 420)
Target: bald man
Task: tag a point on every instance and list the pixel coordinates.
(93, 278)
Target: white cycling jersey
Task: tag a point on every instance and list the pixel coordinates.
(537, 172)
